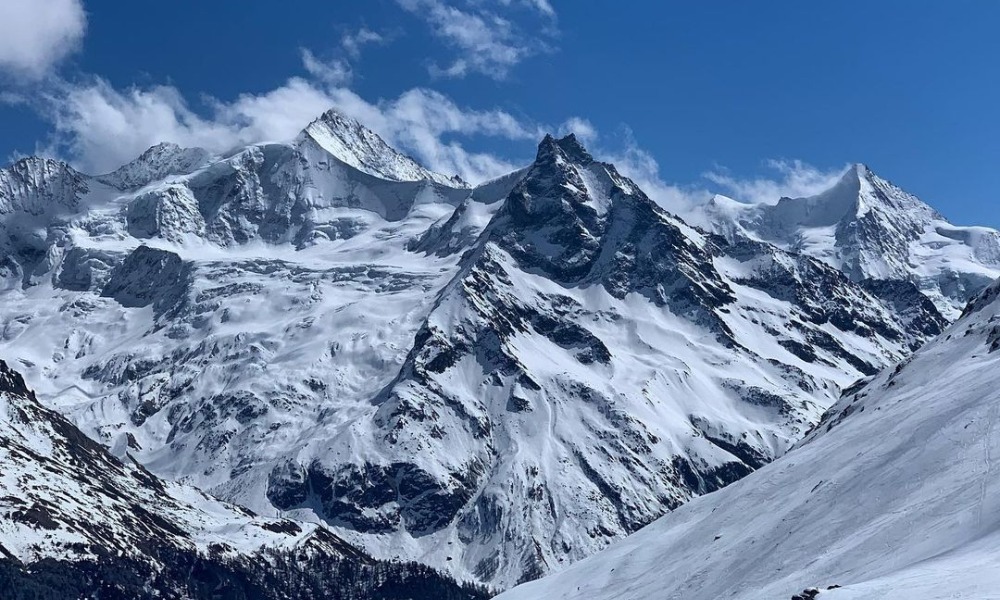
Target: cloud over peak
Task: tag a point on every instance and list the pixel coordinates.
(795, 179)
(99, 127)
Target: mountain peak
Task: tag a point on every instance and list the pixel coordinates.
(574, 149)
(569, 148)
(39, 185)
(860, 169)
(858, 172)
(357, 146)
(858, 192)
(156, 162)
(870, 228)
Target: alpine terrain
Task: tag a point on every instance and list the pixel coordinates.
(494, 380)
(894, 495)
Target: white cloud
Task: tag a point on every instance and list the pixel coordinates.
(332, 72)
(543, 6)
(486, 42)
(99, 127)
(795, 179)
(353, 42)
(637, 164)
(37, 34)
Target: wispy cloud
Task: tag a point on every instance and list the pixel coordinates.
(542, 6)
(429, 125)
(582, 128)
(484, 41)
(353, 41)
(794, 179)
(98, 127)
(333, 71)
(35, 35)
(636, 163)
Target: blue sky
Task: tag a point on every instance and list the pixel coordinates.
(752, 99)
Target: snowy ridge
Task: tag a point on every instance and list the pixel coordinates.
(76, 521)
(871, 229)
(892, 497)
(28, 185)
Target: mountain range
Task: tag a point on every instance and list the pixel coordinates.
(405, 373)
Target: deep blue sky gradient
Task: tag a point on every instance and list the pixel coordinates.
(910, 87)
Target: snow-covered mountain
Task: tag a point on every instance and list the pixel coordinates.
(76, 520)
(361, 148)
(495, 381)
(594, 363)
(870, 229)
(893, 496)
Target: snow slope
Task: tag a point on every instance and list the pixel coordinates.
(871, 229)
(893, 496)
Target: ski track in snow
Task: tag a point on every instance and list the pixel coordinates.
(987, 446)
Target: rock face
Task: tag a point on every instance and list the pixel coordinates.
(495, 381)
(77, 521)
(871, 229)
(892, 495)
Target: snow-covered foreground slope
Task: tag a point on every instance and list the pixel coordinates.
(495, 381)
(871, 229)
(76, 520)
(895, 495)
